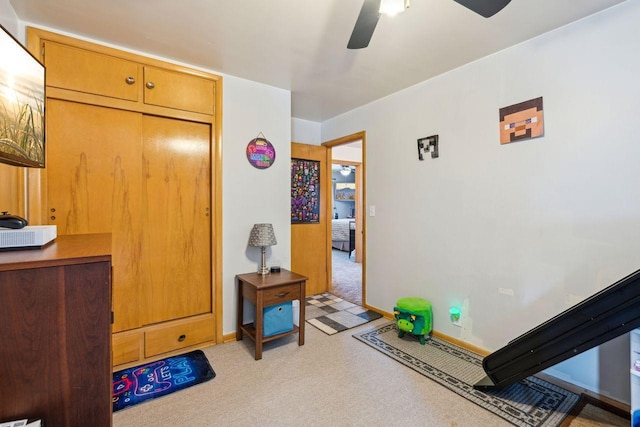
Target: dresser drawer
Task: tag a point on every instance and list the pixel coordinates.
(281, 294)
(175, 337)
(126, 347)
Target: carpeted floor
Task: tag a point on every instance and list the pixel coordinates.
(332, 314)
(592, 415)
(332, 380)
(347, 277)
(530, 402)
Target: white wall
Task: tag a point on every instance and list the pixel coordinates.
(253, 195)
(553, 219)
(305, 131)
(347, 152)
(8, 19)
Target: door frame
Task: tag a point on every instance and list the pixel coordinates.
(361, 219)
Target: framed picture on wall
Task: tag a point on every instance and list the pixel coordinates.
(305, 191)
(345, 191)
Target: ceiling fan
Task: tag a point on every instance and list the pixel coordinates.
(370, 13)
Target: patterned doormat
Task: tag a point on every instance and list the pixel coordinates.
(331, 314)
(152, 380)
(530, 402)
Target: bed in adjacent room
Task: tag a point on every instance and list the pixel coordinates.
(340, 232)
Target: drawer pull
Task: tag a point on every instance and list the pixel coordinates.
(282, 294)
(130, 80)
(182, 337)
(150, 85)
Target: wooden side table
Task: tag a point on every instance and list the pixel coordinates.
(265, 291)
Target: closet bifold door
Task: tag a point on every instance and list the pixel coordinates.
(177, 219)
(93, 186)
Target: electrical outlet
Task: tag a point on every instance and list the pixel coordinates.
(456, 321)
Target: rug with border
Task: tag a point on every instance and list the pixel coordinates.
(530, 402)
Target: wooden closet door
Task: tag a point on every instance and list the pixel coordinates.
(177, 219)
(93, 186)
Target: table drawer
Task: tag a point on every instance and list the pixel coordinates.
(183, 335)
(280, 294)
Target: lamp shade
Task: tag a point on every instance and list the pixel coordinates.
(262, 235)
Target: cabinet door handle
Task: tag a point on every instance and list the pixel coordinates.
(182, 337)
(150, 85)
(130, 80)
(282, 294)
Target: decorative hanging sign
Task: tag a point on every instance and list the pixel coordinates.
(260, 152)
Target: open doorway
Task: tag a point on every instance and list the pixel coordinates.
(347, 220)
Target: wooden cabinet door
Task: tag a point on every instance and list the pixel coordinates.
(178, 90)
(90, 72)
(93, 186)
(176, 214)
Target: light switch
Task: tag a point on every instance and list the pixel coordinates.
(372, 210)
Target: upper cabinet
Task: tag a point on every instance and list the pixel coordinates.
(90, 72)
(178, 90)
(99, 75)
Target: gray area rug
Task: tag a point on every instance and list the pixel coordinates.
(332, 314)
(530, 402)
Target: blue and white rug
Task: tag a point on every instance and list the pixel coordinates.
(332, 314)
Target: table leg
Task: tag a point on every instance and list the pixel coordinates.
(259, 321)
(240, 313)
(303, 303)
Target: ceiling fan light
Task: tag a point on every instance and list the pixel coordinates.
(345, 171)
(393, 7)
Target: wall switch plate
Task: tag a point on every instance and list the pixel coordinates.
(372, 211)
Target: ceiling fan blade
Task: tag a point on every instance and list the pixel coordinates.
(486, 8)
(365, 24)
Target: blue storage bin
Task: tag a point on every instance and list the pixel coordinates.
(277, 319)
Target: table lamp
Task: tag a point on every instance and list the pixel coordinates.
(262, 235)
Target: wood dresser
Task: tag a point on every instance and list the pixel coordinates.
(55, 332)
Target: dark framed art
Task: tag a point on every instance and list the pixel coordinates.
(305, 191)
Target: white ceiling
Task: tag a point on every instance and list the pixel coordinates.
(300, 45)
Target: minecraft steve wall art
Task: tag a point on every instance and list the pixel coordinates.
(521, 121)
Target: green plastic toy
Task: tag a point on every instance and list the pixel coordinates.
(413, 315)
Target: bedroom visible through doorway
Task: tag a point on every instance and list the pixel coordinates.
(347, 221)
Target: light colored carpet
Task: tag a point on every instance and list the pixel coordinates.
(593, 416)
(346, 277)
(329, 381)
